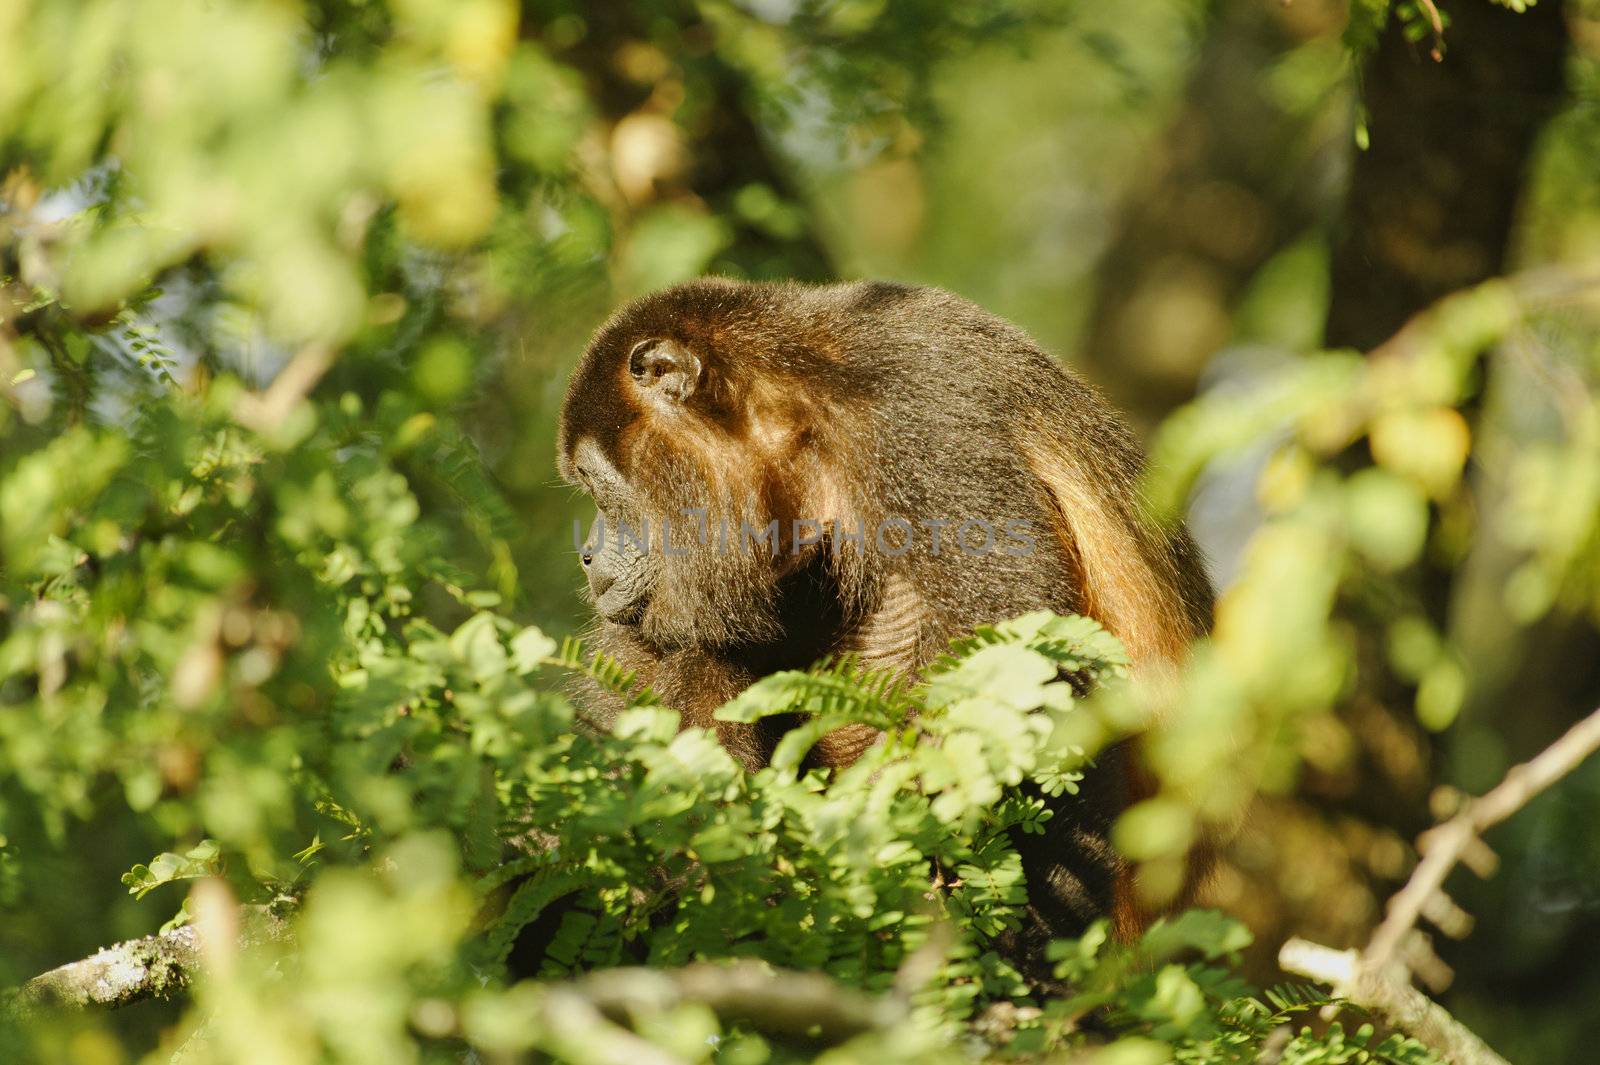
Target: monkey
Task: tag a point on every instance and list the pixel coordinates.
(785, 472)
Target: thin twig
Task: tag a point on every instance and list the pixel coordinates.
(1379, 977)
(1443, 846)
(264, 411)
(1437, 22)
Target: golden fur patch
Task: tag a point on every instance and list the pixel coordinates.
(1128, 574)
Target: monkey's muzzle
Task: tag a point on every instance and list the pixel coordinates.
(618, 571)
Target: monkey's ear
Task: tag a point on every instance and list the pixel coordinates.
(665, 369)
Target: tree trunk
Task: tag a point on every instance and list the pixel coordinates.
(1432, 200)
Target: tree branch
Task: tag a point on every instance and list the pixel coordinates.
(152, 967)
(1394, 999)
(592, 1012)
(785, 1003)
(1379, 977)
(1444, 845)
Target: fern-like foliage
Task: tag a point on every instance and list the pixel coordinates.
(419, 794)
(605, 671)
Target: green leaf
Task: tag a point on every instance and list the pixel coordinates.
(530, 648)
(477, 644)
(199, 861)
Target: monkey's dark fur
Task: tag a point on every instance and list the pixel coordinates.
(852, 404)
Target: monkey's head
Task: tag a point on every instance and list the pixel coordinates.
(687, 423)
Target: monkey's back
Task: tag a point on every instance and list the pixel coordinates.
(956, 414)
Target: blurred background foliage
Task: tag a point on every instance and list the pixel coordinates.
(289, 291)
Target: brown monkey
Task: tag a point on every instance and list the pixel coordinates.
(786, 471)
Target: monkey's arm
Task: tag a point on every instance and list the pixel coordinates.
(894, 635)
(692, 681)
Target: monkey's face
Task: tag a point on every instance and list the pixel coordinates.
(621, 572)
(689, 461)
